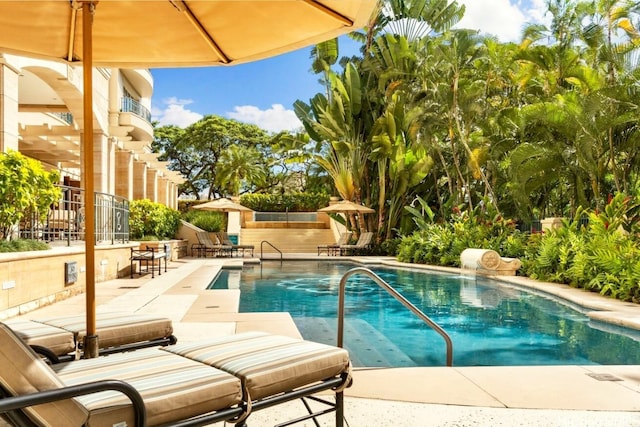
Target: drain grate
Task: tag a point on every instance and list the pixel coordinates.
(129, 287)
(604, 377)
(212, 306)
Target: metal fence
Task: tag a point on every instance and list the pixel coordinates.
(112, 218)
(65, 220)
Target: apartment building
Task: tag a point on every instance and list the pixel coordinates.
(41, 115)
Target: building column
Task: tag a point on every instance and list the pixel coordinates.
(163, 187)
(139, 180)
(152, 184)
(8, 108)
(173, 195)
(124, 174)
(102, 163)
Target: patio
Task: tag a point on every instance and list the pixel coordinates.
(439, 396)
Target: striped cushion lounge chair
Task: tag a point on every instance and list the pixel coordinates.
(335, 248)
(61, 338)
(223, 237)
(361, 246)
(196, 384)
(208, 246)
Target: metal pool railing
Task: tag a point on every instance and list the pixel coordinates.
(384, 285)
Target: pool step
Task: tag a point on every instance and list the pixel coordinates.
(367, 347)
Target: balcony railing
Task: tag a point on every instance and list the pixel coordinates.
(65, 117)
(130, 105)
(65, 221)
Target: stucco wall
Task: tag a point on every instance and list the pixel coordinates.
(32, 279)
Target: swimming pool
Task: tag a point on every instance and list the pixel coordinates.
(490, 323)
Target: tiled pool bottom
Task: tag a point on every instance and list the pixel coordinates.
(410, 397)
(491, 324)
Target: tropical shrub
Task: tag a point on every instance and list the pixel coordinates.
(441, 243)
(208, 221)
(293, 202)
(390, 246)
(151, 220)
(25, 189)
(602, 256)
(22, 245)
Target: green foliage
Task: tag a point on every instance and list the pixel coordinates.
(200, 153)
(295, 202)
(22, 245)
(206, 220)
(602, 256)
(153, 220)
(442, 243)
(25, 188)
(390, 247)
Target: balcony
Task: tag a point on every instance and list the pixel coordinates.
(133, 113)
(64, 222)
(130, 105)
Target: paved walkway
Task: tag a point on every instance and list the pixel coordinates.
(460, 396)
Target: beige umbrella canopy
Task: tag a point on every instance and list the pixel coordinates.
(351, 211)
(345, 206)
(163, 33)
(174, 33)
(222, 205)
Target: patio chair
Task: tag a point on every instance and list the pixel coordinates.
(152, 386)
(334, 249)
(225, 240)
(61, 338)
(207, 245)
(361, 246)
(149, 256)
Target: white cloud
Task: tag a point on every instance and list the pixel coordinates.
(274, 119)
(501, 18)
(173, 112)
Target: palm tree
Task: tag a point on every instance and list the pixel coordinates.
(341, 124)
(239, 166)
(452, 96)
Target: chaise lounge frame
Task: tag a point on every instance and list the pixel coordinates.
(362, 245)
(224, 239)
(334, 249)
(242, 368)
(207, 245)
(60, 339)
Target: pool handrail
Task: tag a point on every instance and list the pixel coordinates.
(384, 285)
(270, 244)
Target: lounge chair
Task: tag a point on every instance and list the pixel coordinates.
(207, 245)
(361, 246)
(225, 240)
(334, 249)
(197, 384)
(61, 338)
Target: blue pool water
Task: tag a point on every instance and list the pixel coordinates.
(490, 324)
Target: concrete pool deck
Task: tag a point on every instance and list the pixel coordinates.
(590, 395)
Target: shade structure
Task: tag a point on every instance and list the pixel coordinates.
(345, 206)
(162, 33)
(222, 205)
(175, 33)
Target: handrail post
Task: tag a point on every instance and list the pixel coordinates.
(397, 296)
(269, 243)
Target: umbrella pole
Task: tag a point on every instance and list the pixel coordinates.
(90, 339)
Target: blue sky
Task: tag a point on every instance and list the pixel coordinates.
(263, 92)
